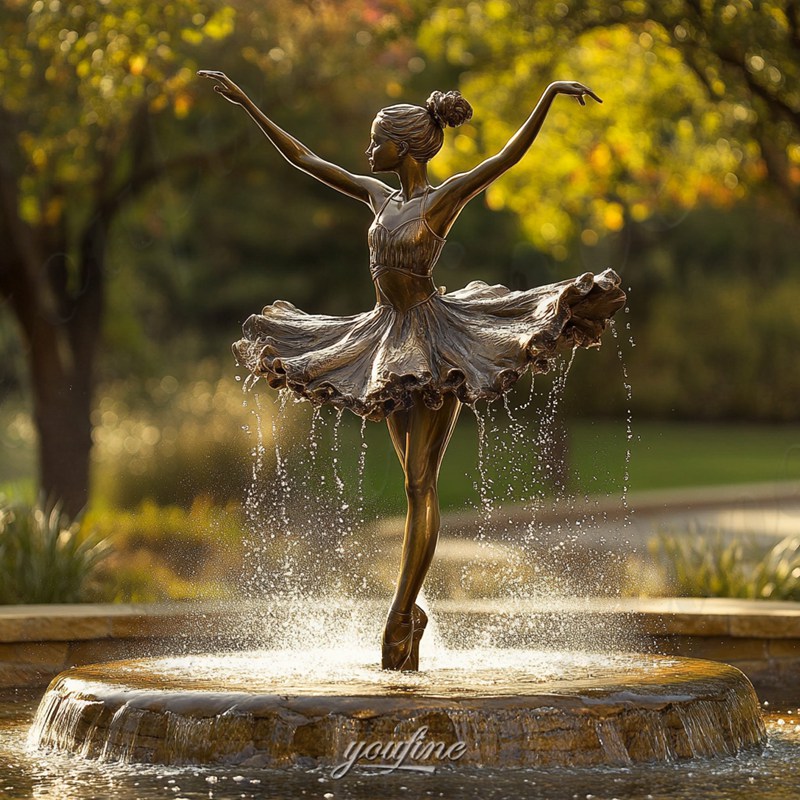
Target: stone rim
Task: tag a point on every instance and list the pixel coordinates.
(679, 709)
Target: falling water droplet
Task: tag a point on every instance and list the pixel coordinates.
(362, 460)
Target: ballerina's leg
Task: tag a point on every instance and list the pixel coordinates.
(420, 437)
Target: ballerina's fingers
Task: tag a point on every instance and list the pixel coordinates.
(222, 82)
(585, 90)
(579, 97)
(214, 74)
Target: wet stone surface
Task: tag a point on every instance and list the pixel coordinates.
(771, 772)
(504, 709)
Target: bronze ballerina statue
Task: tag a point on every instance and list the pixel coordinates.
(419, 354)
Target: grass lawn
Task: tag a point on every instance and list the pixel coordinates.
(672, 454)
(662, 455)
(17, 456)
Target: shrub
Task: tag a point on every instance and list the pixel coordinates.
(169, 552)
(46, 557)
(170, 441)
(702, 562)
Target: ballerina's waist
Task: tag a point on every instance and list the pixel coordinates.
(376, 270)
(402, 294)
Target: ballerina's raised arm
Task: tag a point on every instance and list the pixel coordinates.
(448, 199)
(367, 189)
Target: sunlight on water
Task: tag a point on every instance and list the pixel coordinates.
(335, 668)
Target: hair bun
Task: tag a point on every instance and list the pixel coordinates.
(448, 109)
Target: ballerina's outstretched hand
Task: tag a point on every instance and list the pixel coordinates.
(224, 86)
(573, 89)
(365, 188)
(447, 200)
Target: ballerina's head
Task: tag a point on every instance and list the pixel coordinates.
(414, 131)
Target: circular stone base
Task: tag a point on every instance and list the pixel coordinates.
(493, 708)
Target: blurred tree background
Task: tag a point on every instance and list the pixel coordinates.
(143, 219)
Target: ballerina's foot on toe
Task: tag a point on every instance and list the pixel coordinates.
(420, 619)
(401, 637)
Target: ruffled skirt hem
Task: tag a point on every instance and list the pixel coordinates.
(474, 343)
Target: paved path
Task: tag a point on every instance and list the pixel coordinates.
(770, 510)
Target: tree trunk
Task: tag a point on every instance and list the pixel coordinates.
(61, 321)
(62, 397)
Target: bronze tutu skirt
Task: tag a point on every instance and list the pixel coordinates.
(474, 343)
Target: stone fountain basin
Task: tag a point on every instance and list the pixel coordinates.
(507, 708)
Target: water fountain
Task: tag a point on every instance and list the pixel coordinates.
(500, 709)
(412, 361)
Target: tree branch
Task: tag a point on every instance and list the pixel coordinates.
(775, 162)
(697, 68)
(145, 176)
(776, 104)
(793, 16)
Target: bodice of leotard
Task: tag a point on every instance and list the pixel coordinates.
(410, 248)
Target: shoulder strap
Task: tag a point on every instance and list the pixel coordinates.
(424, 220)
(422, 204)
(386, 202)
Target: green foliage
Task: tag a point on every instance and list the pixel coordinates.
(716, 349)
(45, 557)
(169, 552)
(79, 75)
(703, 562)
(654, 143)
(712, 315)
(147, 554)
(699, 106)
(17, 444)
(744, 369)
(172, 441)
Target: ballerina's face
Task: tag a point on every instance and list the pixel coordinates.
(383, 153)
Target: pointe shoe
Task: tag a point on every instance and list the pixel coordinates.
(403, 654)
(420, 619)
(397, 655)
